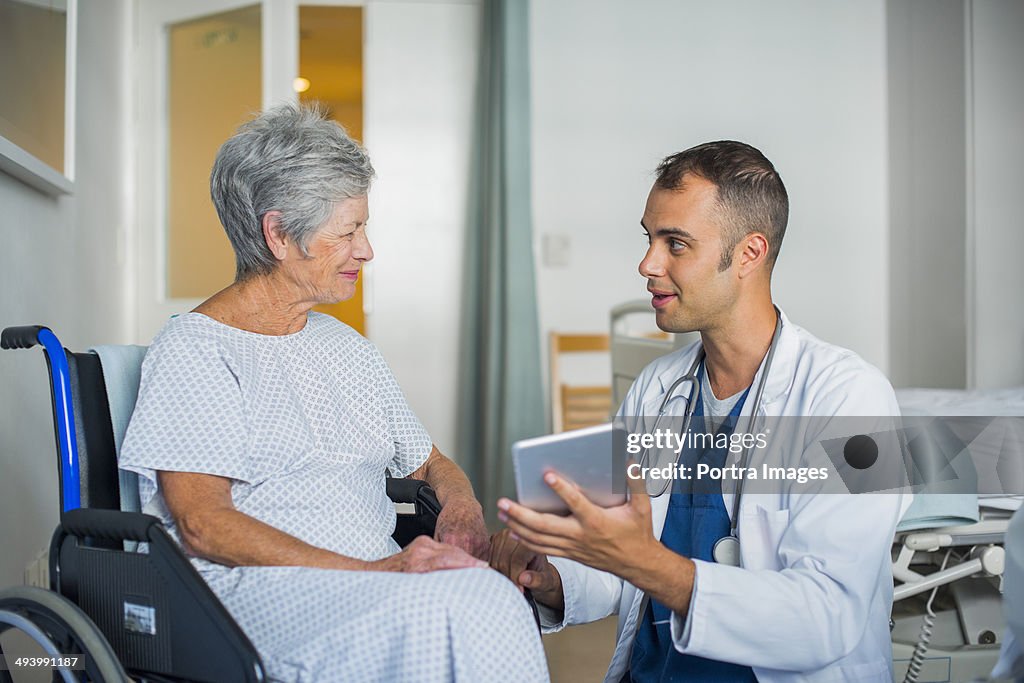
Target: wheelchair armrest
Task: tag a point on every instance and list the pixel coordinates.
(421, 522)
(414, 491)
(111, 525)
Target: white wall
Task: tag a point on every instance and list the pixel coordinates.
(617, 86)
(420, 79)
(995, 223)
(62, 265)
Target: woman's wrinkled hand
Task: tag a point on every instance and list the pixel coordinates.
(527, 569)
(461, 524)
(425, 554)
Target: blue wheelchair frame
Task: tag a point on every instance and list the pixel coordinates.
(63, 410)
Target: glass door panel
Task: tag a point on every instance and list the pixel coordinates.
(214, 85)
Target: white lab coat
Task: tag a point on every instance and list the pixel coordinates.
(812, 598)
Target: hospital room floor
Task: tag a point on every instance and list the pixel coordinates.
(580, 654)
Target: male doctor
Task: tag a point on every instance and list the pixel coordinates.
(811, 597)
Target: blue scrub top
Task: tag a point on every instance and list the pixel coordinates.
(695, 520)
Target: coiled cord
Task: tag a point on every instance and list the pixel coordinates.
(927, 626)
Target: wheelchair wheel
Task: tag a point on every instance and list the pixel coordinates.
(59, 627)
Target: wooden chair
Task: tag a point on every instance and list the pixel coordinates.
(573, 407)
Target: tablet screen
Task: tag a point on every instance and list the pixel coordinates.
(584, 456)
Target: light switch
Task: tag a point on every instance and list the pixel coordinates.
(556, 250)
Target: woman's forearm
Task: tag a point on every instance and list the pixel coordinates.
(212, 528)
(233, 538)
(446, 478)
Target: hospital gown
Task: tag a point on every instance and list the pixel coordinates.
(304, 425)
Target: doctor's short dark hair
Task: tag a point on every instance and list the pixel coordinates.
(751, 196)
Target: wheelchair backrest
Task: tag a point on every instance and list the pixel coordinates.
(122, 374)
(104, 387)
(97, 455)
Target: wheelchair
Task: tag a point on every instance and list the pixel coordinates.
(131, 612)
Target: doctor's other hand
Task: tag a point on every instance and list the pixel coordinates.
(527, 569)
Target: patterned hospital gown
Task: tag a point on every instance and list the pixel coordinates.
(304, 425)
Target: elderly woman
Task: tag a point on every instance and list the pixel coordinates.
(263, 430)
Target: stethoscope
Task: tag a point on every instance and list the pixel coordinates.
(726, 549)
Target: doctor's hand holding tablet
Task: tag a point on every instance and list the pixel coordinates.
(569, 507)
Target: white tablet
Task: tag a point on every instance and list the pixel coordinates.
(584, 456)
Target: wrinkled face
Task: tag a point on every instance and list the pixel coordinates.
(337, 253)
(681, 265)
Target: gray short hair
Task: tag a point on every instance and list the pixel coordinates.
(290, 159)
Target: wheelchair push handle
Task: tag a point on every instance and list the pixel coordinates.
(25, 337)
(21, 337)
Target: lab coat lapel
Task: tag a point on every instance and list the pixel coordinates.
(729, 499)
(673, 372)
(659, 510)
(783, 371)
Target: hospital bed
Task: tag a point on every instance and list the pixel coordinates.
(948, 554)
(131, 609)
(635, 343)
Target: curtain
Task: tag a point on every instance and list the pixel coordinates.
(501, 396)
